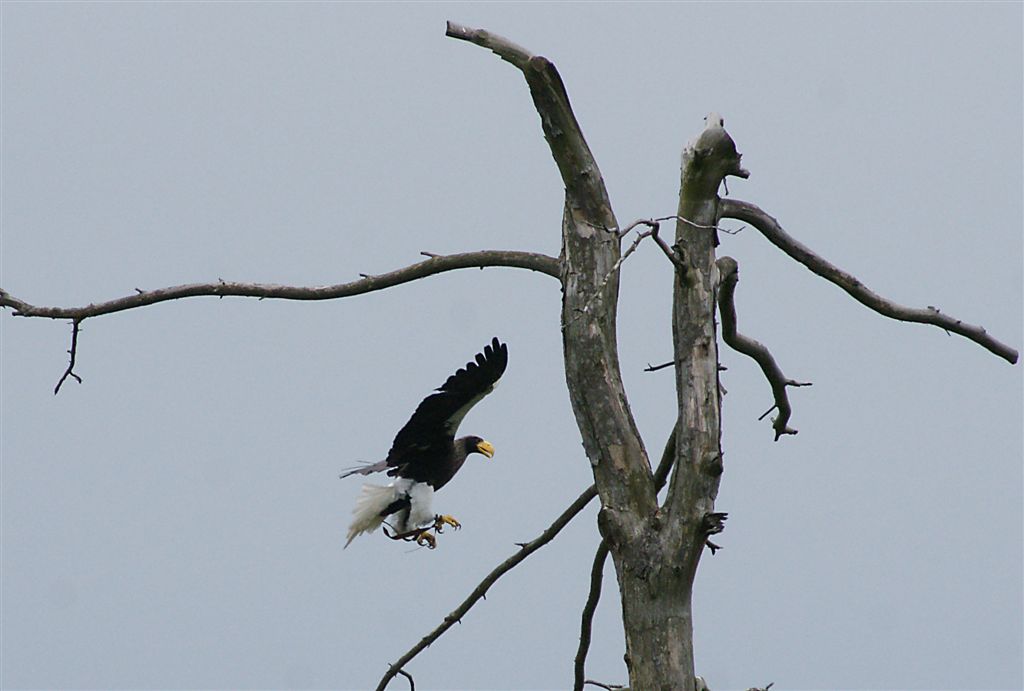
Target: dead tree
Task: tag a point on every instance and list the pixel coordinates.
(655, 545)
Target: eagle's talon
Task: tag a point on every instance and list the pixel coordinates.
(441, 521)
(425, 539)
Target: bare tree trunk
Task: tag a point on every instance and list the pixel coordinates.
(655, 550)
(688, 512)
(653, 583)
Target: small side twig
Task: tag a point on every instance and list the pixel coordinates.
(728, 270)
(655, 368)
(412, 683)
(712, 524)
(70, 371)
(612, 271)
(651, 221)
(653, 227)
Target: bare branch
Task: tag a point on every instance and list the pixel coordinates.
(412, 683)
(587, 617)
(655, 368)
(500, 46)
(69, 372)
(599, 292)
(481, 590)
(677, 217)
(770, 228)
(673, 256)
(668, 457)
(584, 186)
(434, 265)
(622, 471)
(729, 274)
(653, 227)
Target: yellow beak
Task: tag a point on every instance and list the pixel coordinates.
(485, 448)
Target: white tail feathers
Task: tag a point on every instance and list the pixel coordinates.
(372, 500)
(375, 498)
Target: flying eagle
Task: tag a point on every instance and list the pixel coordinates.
(425, 455)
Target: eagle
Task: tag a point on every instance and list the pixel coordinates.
(425, 455)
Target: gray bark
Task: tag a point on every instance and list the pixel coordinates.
(655, 550)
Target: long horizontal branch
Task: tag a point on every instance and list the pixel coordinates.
(728, 269)
(770, 228)
(481, 590)
(434, 265)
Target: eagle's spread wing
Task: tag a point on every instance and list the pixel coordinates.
(432, 427)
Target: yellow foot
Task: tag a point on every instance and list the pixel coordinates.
(441, 521)
(425, 539)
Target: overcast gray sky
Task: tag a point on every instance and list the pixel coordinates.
(176, 520)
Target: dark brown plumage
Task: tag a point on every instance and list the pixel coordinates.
(425, 454)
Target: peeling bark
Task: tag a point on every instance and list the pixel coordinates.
(655, 551)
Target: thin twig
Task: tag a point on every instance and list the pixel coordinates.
(736, 231)
(587, 616)
(639, 222)
(677, 217)
(653, 226)
(481, 590)
(655, 368)
(649, 222)
(728, 271)
(412, 683)
(770, 228)
(666, 250)
(599, 291)
(69, 372)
